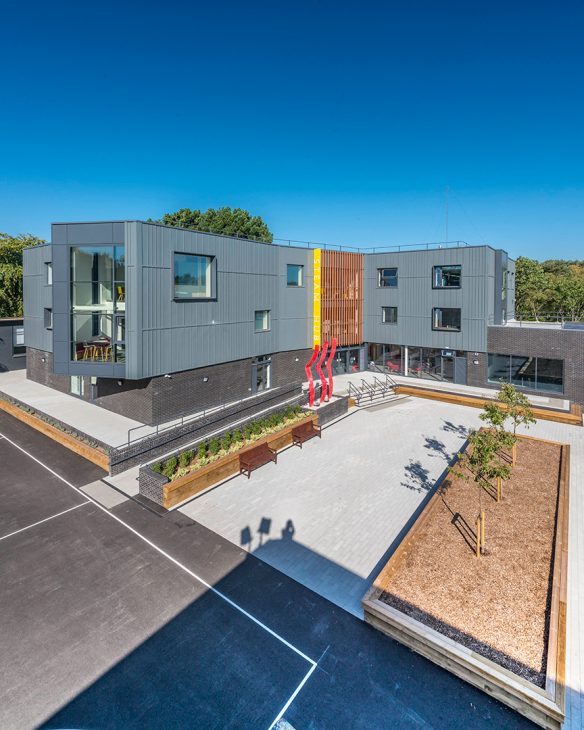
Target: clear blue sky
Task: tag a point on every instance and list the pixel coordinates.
(338, 122)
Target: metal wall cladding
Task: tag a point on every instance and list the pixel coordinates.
(165, 336)
(415, 297)
(37, 297)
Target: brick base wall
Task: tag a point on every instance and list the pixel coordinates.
(39, 367)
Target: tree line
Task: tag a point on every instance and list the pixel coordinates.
(549, 290)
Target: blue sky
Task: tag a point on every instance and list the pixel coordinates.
(337, 122)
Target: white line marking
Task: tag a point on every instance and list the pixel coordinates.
(40, 522)
(234, 605)
(292, 697)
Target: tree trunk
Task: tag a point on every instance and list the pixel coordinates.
(478, 527)
(482, 531)
(499, 490)
(513, 454)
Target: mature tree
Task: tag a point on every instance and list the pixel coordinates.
(228, 221)
(11, 248)
(567, 297)
(532, 286)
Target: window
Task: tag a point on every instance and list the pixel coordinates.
(261, 373)
(447, 277)
(446, 319)
(387, 277)
(535, 373)
(48, 319)
(48, 272)
(18, 347)
(193, 276)
(76, 385)
(98, 294)
(262, 320)
(389, 315)
(294, 274)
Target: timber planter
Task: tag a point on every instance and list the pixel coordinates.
(499, 621)
(200, 479)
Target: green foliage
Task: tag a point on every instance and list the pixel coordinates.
(157, 467)
(289, 413)
(553, 287)
(185, 458)
(202, 451)
(256, 427)
(226, 441)
(214, 446)
(228, 221)
(237, 437)
(297, 410)
(11, 248)
(247, 431)
(170, 467)
(518, 406)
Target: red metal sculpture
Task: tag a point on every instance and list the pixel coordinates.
(328, 366)
(308, 370)
(323, 391)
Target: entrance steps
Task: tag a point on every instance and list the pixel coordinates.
(379, 391)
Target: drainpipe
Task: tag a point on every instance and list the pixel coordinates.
(406, 360)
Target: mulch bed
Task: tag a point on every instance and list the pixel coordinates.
(497, 605)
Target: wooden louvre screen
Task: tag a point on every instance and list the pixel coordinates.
(342, 297)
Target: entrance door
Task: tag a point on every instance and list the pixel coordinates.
(448, 369)
(460, 370)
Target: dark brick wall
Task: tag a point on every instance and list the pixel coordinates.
(288, 367)
(42, 372)
(566, 345)
(7, 359)
(476, 375)
(133, 398)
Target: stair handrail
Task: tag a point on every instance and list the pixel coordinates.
(368, 388)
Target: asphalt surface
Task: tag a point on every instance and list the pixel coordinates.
(124, 619)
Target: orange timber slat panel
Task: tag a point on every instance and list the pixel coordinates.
(342, 297)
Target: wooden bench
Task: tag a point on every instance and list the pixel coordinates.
(258, 456)
(305, 432)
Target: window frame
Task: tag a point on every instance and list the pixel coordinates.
(380, 277)
(386, 321)
(535, 387)
(444, 266)
(212, 296)
(269, 321)
(301, 271)
(21, 351)
(48, 273)
(435, 328)
(48, 318)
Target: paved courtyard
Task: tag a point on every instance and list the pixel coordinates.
(328, 514)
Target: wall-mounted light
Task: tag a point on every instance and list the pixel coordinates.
(296, 359)
(120, 383)
(43, 359)
(475, 362)
(168, 376)
(205, 379)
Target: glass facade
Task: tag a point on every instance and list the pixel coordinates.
(387, 357)
(192, 276)
(534, 373)
(98, 303)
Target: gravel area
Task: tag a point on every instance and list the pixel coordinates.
(497, 605)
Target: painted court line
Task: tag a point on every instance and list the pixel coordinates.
(40, 522)
(228, 600)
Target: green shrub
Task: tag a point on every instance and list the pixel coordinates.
(297, 410)
(185, 458)
(202, 450)
(170, 467)
(288, 413)
(226, 441)
(214, 446)
(248, 431)
(157, 467)
(237, 436)
(256, 427)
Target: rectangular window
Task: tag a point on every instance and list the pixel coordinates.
(48, 272)
(387, 277)
(18, 347)
(98, 291)
(446, 319)
(294, 274)
(48, 319)
(192, 276)
(534, 373)
(261, 373)
(389, 315)
(447, 277)
(262, 320)
(76, 385)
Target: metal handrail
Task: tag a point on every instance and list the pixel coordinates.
(395, 247)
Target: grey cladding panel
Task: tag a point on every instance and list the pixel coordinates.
(37, 297)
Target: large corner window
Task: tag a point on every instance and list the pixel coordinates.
(18, 348)
(262, 320)
(389, 315)
(387, 277)
(294, 274)
(534, 373)
(445, 319)
(98, 302)
(447, 277)
(193, 276)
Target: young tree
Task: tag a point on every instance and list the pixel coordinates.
(480, 463)
(519, 411)
(228, 221)
(496, 418)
